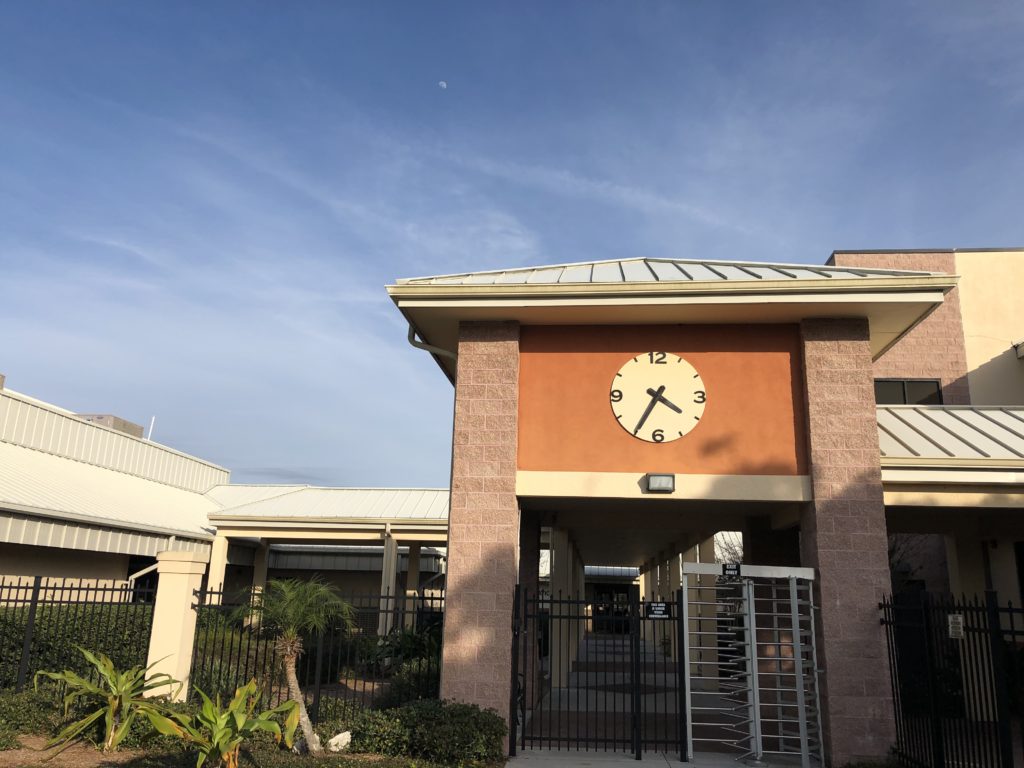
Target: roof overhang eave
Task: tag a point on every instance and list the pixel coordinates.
(435, 311)
(901, 283)
(249, 521)
(105, 522)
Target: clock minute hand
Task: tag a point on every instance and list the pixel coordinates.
(655, 396)
(664, 399)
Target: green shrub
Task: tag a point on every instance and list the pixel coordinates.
(379, 732)
(451, 733)
(120, 630)
(30, 712)
(8, 739)
(412, 681)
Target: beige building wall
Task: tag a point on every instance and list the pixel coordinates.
(992, 304)
(22, 560)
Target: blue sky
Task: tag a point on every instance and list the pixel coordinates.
(200, 203)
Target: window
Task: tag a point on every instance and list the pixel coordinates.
(908, 392)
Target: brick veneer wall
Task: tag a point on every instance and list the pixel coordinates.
(935, 349)
(843, 536)
(483, 523)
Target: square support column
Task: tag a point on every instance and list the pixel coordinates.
(843, 536)
(174, 618)
(388, 582)
(259, 566)
(218, 567)
(483, 523)
(412, 585)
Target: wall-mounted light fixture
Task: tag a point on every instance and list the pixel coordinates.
(657, 483)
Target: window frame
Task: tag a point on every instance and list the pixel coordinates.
(904, 382)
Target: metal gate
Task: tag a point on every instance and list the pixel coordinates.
(609, 674)
(957, 679)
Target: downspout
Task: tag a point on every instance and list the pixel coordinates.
(429, 347)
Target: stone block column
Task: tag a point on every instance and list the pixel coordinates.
(483, 523)
(843, 536)
(174, 618)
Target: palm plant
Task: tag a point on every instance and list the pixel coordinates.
(218, 731)
(116, 697)
(290, 608)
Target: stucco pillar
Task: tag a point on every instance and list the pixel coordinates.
(174, 618)
(218, 566)
(483, 523)
(412, 585)
(259, 566)
(388, 582)
(843, 536)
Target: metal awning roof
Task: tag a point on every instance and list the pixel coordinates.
(935, 434)
(649, 270)
(307, 503)
(43, 485)
(653, 291)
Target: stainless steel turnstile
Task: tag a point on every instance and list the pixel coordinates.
(750, 669)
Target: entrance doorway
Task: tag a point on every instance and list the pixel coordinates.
(727, 665)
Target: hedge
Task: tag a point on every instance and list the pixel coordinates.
(120, 630)
(443, 732)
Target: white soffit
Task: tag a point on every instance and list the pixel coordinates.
(934, 435)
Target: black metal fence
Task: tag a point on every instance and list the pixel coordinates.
(957, 679)
(43, 620)
(391, 655)
(597, 674)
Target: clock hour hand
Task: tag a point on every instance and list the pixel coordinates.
(655, 396)
(664, 399)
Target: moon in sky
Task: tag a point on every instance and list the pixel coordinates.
(442, 84)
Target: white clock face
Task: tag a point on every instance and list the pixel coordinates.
(658, 397)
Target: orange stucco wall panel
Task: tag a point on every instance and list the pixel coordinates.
(753, 423)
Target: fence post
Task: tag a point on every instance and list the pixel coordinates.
(634, 647)
(513, 704)
(30, 628)
(1002, 697)
(317, 672)
(935, 721)
(174, 617)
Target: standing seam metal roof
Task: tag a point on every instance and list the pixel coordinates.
(349, 503)
(951, 432)
(648, 270)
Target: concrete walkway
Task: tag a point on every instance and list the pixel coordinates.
(549, 758)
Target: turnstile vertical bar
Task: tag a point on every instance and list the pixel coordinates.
(798, 657)
(752, 677)
(813, 632)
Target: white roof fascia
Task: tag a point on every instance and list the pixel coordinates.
(107, 522)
